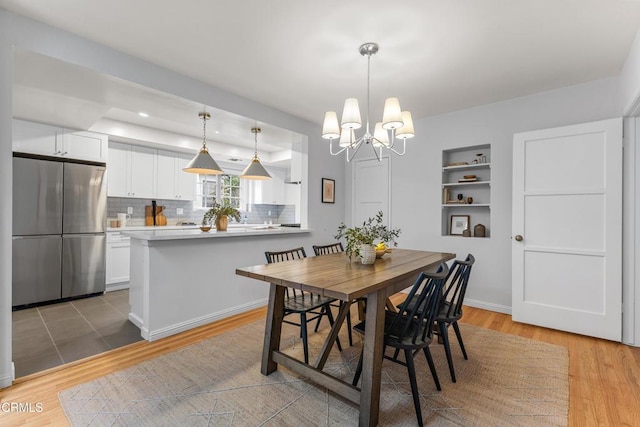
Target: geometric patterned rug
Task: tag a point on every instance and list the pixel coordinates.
(508, 380)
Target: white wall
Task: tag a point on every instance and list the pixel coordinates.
(30, 35)
(416, 177)
(630, 80)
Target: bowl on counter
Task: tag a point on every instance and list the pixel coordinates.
(205, 228)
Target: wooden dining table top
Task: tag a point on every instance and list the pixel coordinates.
(335, 276)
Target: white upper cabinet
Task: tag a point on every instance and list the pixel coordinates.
(35, 138)
(132, 171)
(173, 182)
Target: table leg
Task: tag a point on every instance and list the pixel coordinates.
(333, 334)
(372, 359)
(273, 328)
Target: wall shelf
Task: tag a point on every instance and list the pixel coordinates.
(456, 164)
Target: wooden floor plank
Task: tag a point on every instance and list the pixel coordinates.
(604, 377)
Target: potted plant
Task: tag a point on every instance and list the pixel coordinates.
(220, 215)
(360, 240)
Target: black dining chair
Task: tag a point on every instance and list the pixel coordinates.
(309, 306)
(411, 329)
(334, 248)
(450, 310)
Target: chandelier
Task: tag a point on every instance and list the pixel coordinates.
(395, 124)
(203, 163)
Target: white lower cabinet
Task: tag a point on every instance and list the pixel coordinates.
(117, 261)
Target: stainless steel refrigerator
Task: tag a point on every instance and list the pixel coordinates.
(59, 240)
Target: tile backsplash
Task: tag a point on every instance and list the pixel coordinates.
(258, 214)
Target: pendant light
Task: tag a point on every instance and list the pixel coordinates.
(254, 169)
(203, 163)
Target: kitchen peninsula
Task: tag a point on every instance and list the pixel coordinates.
(181, 279)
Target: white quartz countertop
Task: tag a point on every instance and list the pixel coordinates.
(180, 233)
(179, 227)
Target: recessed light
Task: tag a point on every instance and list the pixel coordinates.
(141, 114)
(217, 131)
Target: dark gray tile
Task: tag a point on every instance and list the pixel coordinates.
(40, 362)
(69, 329)
(87, 303)
(58, 312)
(94, 311)
(81, 347)
(28, 327)
(105, 318)
(120, 334)
(31, 346)
(29, 313)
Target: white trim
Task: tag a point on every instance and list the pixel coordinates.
(7, 380)
(203, 320)
(117, 287)
(498, 308)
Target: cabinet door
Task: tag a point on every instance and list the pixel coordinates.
(35, 138)
(118, 262)
(143, 172)
(85, 145)
(166, 183)
(185, 182)
(118, 170)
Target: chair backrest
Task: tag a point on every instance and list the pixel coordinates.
(414, 319)
(333, 248)
(290, 254)
(456, 286)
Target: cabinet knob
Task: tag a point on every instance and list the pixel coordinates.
(518, 238)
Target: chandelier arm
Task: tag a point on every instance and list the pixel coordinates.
(331, 149)
(355, 149)
(404, 148)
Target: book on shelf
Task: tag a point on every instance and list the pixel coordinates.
(467, 179)
(445, 195)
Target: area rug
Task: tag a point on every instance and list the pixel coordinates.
(507, 380)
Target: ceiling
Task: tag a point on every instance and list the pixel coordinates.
(302, 57)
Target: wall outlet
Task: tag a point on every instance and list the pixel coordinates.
(180, 211)
(129, 210)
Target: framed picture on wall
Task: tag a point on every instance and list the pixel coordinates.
(458, 224)
(328, 190)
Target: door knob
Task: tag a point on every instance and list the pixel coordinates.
(518, 238)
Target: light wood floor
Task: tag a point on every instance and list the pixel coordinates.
(604, 377)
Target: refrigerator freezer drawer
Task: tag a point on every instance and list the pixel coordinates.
(37, 197)
(83, 264)
(85, 199)
(36, 269)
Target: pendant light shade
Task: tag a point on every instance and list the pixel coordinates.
(203, 163)
(254, 169)
(406, 131)
(330, 127)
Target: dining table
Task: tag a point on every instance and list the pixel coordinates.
(337, 276)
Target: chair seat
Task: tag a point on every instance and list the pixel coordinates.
(393, 333)
(304, 303)
(443, 313)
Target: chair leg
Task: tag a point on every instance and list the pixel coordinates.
(349, 331)
(323, 312)
(356, 376)
(303, 332)
(331, 322)
(432, 367)
(414, 384)
(442, 326)
(459, 335)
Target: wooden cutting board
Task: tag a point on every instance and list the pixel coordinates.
(160, 218)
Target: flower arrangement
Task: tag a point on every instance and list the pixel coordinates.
(371, 230)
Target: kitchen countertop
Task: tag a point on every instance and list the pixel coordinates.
(178, 227)
(180, 233)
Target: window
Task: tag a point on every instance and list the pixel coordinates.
(224, 189)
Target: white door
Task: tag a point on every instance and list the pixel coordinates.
(567, 228)
(370, 189)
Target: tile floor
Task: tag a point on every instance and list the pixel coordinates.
(52, 335)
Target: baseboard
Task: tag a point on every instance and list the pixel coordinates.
(498, 308)
(7, 379)
(117, 287)
(199, 321)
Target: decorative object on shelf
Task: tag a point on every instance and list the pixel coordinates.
(371, 230)
(469, 200)
(465, 179)
(466, 232)
(481, 158)
(457, 224)
(457, 164)
(254, 169)
(203, 163)
(394, 121)
(328, 190)
(219, 214)
(460, 197)
(479, 231)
